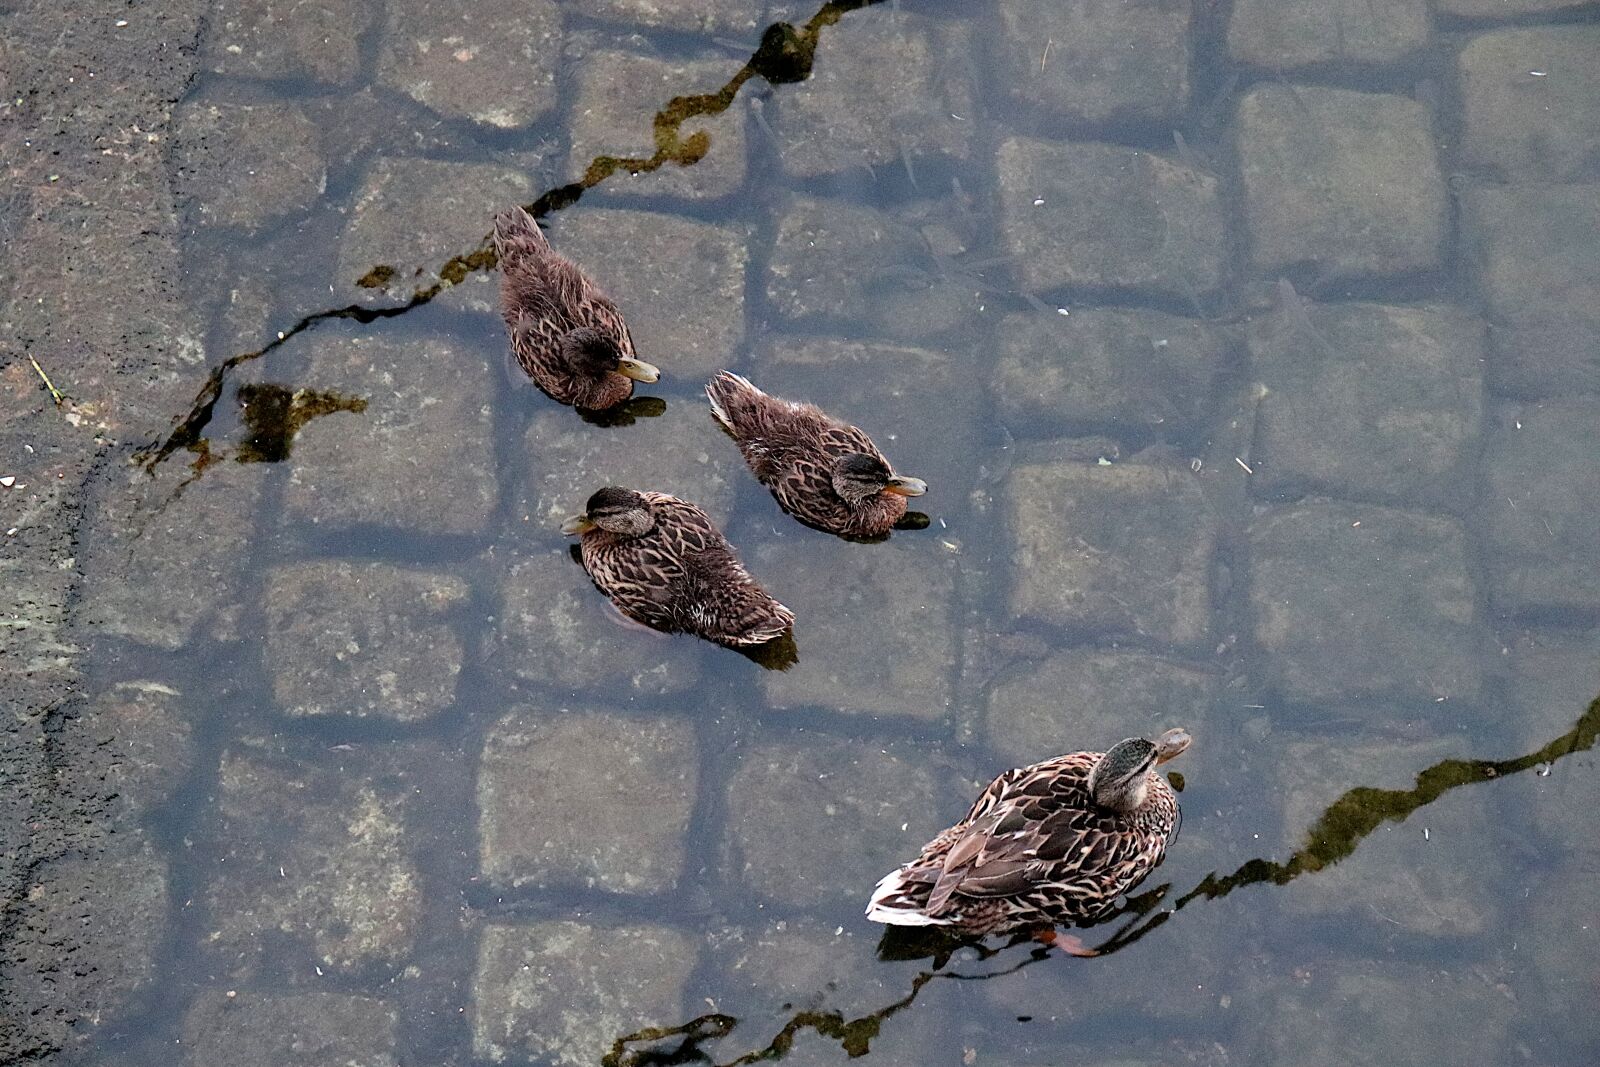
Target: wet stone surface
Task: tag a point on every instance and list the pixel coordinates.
(1341, 182)
(914, 71)
(245, 165)
(615, 100)
(363, 640)
(418, 457)
(492, 62)
(132, 744)
(1357, 604)
(1369, 402)
(582, 798)
(287, 39)
(554, 630)
(683, 301)
(1284, 34)
(1537, 256)
(688, 16)
(790, 963)
(1528, 127)
(414, 216)
(1120, 549)
(1104, 216)
(1126, 372)
(833, 259)
(897, 654)
(1505, 9)
(562, 992)
(1108, 60)
(1551, 676)
(253, 1029)
(1541, 506)
(793, 801)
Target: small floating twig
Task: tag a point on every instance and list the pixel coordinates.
(55, 394)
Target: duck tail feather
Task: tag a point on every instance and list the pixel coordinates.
(516, 231)
(898, 901)
(730, 395)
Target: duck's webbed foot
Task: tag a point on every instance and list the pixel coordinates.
(1071, 944)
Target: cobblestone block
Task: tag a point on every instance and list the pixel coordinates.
(1527, 100)
(245, 165)
(287, 39)
(1280, 35)
(307, 1029)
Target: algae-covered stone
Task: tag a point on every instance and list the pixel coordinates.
(314, 862)
(1527, 99)
(897, 654)
(791, 802)
(885, 86)
(831, 259)
(615, 101)
(363, 640)
(416, 222)
(553, 630)
(1097, 60)
(578, 798)
(1119, 549)
(1284, 34)
(683, 299)
(246, 165)
(287, 38)
(408, 444)
(1343, 182)
(493, 61)
(1370, 402)
(1108, 217)
(1359, 604)
(1541, 506)
(1093, 698)
(562, 992)
(250, 1029)
(1124, 371)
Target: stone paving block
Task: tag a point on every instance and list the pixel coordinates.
(1557, 934)
(314, 863)
(1125, 371)
(1524, 126)
(1370, 402)
(1357, 603)
(792, 800)
(167, 561)
(1537, 254)
(562, 992)
(1281, 35)
(797, 961)
(493, 62)
(419, 456)
(1092, 698)
(1541, 506)
(245, 165)
(553, 629)
(251, 1029)
(1552, 675)
(831, 259)
(1338, 181)
(1504, 9)
(900, 593)
(1119, 549)
(885, 86)
(412, 217)
(684, 301)
(581, 798)
(363, 640)
(614, 102)
(1108, 60)
(1108, 217)
(687, 16)
(133, 744)
(287, 39)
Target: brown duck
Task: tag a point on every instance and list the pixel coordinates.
(663, 562)
(1057, 842)
(824, 472)
(566, 333)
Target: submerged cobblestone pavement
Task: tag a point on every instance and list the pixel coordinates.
(333, 760)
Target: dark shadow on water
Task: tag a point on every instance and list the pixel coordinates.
(274, 414)
(1336, 834)
(626, 413)
(779, 654)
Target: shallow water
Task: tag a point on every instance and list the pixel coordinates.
(426, 804)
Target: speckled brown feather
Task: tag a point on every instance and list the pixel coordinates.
(1034, 850)
(790, 447)
(683, 577)
(543, 297)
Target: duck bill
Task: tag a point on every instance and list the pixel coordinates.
(638, 370)
(578, 524)
(1171, 744)
(906, 486)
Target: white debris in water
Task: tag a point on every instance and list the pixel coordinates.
(1038, 201)
(1540, 73)
(9, 480)
(1243, 464)
(1062, 311)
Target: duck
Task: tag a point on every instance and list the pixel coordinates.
(566, 333)
(1052, 843)
(821, 470)
(664, 563)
